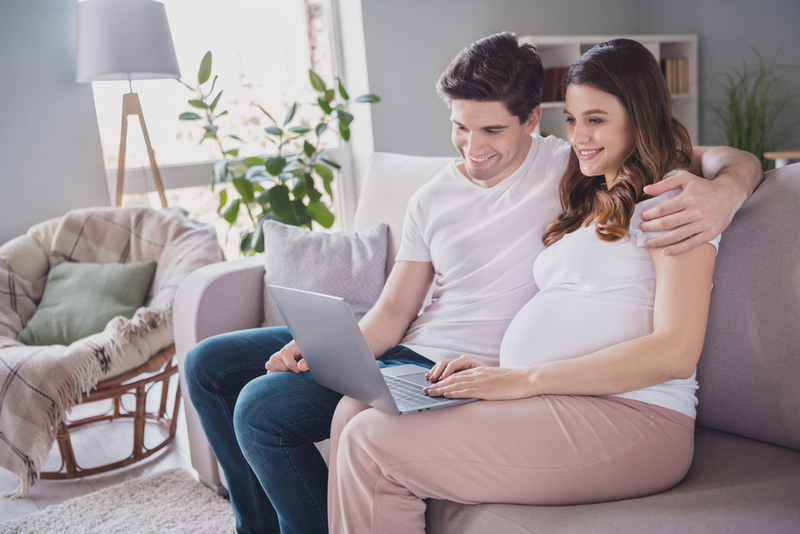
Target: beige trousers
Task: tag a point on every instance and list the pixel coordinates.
(548, 450)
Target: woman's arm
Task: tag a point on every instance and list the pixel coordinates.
(683, 292)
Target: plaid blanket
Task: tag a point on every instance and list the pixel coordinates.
(39, 385)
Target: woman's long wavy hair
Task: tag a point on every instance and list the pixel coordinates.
(628, 71)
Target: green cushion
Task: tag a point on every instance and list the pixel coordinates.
(81, 298)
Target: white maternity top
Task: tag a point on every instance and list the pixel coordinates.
(594, 294)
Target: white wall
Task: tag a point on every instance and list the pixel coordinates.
(50, 155)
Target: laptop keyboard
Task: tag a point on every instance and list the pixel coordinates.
(410, 396)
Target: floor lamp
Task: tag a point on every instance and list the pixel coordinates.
(126, 40)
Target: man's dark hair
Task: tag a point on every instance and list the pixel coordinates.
(496, 69)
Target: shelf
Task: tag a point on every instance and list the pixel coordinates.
(563, 50)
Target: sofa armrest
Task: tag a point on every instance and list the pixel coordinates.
(215, 299)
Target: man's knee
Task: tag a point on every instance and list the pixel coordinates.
(200, 362)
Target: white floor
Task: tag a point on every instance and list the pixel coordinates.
(96, 445)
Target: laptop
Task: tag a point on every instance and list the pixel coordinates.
(338, 357)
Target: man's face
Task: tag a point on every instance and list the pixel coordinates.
(491, 140)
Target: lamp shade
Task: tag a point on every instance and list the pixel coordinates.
(124, 40)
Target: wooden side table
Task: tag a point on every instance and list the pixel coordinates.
(782, 158)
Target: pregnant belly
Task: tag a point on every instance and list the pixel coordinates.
(560, 324)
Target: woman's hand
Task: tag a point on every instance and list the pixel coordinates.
(445, 368)
(471, 379)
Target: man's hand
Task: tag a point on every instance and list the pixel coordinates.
(287, 359)
(702, 210)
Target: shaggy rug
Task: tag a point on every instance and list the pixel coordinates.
(169, 502)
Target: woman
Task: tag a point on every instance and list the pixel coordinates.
(594, 397)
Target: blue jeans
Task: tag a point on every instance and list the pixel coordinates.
(262, 428)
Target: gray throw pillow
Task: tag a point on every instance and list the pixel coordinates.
(81, 298)
(347, 265)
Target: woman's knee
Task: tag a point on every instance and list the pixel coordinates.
(346, 410)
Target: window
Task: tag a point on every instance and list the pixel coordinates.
(262, 50)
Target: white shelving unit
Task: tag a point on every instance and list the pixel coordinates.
(564, 50)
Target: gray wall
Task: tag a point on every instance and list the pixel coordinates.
(725, 28)
(49, 141)
(409, 43)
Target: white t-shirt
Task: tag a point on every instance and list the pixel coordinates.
(482, 244)
(594, 294)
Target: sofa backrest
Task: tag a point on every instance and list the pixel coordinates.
(389, 182)
(749, 373)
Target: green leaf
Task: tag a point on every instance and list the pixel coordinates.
(301, 214)
(257, 240)
(290, 114)
(299, 189)
(330, 162)
(267, 114)
(321, 127)
(198, 104)
(220, 171)
(205, 68)
(326, 108)
(344, 117)
(189, 116)
(245, 188)
(321, 214)
(232, 212)
(308, 149)
(215, 117)
(263, 199)
(316, 81)
(249, 162)
(223, 199)
(342, 91)
(279, 199)
(273, 130)
(215, 101)
(329, 95)
(209, 135)
(369, 98)
(245, 240)
(313, 194)
(302, 130)
(344, 131)
(237, 138)
(324, 171)
(275, 165)
(211, 128)
(232, 152)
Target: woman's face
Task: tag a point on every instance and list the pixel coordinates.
(599, 129)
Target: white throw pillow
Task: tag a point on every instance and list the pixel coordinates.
(351, 266)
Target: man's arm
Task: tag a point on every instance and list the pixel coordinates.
(385, 324)
(704, 208)
(397, 307)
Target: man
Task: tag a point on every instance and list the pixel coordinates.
(477, 226)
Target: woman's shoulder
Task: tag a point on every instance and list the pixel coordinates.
(645, 205)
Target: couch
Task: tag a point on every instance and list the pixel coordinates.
(745, 476)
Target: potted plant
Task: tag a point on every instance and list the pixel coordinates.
(284, 186)
(759, 111)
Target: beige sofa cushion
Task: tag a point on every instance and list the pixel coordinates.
(735, 485)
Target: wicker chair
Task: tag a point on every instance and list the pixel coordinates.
(145, 366)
